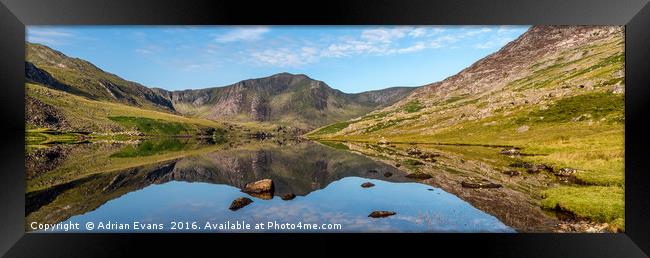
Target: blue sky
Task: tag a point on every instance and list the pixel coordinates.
(349, 58)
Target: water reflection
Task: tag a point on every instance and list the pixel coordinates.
(200, 187)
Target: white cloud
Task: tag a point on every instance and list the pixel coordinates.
(493, 42)
(286, 57)
(148, 49)
(242, 34)
(414, 48)
(384, 35)
(48, 36)
(379, 42)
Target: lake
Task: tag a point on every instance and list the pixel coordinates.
(185, 185)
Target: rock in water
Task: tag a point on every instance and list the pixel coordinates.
(240, 203)
(288, 196)
(261, 189)
(262, 186)
(388, 174)
(381, 214)
(367, 184)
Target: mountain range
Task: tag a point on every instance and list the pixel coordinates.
(285, 99)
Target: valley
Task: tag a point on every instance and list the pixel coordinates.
(532, 135)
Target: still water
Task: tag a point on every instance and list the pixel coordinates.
(193, 192)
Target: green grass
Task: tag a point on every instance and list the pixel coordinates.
(413, 106)
(335, 145)
(392, 122)
(149, 148)
(86, 115)
(333, 128)
(44, 136)
(597, 105)
(152, 126)
(597, 203)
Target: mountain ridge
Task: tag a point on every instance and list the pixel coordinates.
(283, 98)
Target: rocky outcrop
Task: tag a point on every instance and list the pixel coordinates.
(42, 115)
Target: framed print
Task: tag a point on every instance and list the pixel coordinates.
(513, 127)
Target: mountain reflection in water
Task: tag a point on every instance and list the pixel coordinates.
(200, 187)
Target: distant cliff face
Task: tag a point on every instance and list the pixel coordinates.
(286, 99)
(294, 100)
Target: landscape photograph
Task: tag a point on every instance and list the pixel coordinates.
(324, 129)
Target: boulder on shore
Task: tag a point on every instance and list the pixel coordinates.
(381, 214)
(240, 203)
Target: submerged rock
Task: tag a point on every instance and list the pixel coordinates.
(381, 214)
(372, 171)
(388, 174)
(478, 185)
(240, 203)
(367, 184)
(288, 196)
(419, 175)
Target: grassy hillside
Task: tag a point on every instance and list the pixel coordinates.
(56, 70)
(560, 97)
(79, 114)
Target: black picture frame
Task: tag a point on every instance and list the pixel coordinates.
(634, 14)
